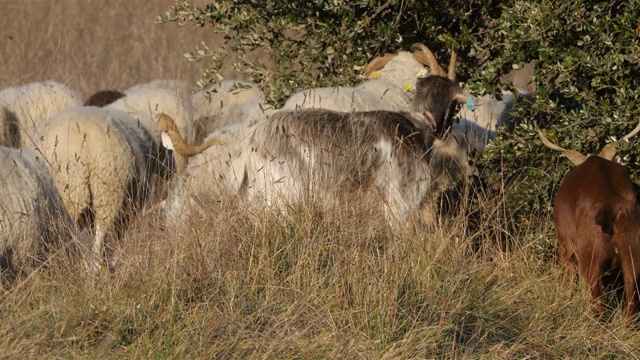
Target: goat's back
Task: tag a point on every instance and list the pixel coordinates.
(596, 190)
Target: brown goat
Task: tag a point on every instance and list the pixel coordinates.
(597, 221)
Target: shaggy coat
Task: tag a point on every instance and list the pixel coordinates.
(32, 104)
(383, 91)
(225, 103)
(145, 104)
(323, 155)
(102, 161)
(32, 215)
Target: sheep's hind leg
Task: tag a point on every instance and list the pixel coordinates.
(98, 247)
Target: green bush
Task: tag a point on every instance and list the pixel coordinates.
(587, 79)
(586, 53)
(325, 42)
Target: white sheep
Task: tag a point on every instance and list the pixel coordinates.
(32, 104)
(102, 162)
(179, 87)
(33, 217)
(203, 181)
(227, 102)
(477, 126)
(149, 103)
(388, 78)
(9, 129)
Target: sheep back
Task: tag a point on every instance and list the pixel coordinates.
(33, 103)
(95, 164)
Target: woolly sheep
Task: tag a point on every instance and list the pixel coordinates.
(9, 129)
(202, 181)
(180, 88)
(102, 161)
(32, 215)
(227, 102)
(152, 102)
(385, 89)
(479, 125)
(32, 104)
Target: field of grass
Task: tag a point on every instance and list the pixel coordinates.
(311, 285)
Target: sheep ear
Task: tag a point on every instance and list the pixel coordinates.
(166, 141)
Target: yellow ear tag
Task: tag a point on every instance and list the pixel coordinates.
(375, 74)
(407, 87)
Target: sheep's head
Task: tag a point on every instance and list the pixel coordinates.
(173, 140)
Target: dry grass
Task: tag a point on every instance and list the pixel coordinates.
(95, 45)
(312, 285)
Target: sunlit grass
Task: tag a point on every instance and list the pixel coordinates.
(234, 284)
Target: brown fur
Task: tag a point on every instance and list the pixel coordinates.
(597, 222)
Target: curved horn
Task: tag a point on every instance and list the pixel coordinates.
(167, 125)
(426, 57)
(575, 157)
(609, 151)
(378, 63)
(452, 65)
(632, 133)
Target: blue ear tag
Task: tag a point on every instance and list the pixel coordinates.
(470, 104)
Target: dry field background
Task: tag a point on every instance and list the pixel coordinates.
(238, 285)
(99, 44)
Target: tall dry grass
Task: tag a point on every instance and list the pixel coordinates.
(259, 285)
(93, 45)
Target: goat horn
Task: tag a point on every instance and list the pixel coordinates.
(575, 157)
(632, 133)
(377, 63)
(609, 151)
(452, 65)
(185, 150)
(426, 57)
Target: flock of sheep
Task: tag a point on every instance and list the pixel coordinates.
(75, 171)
